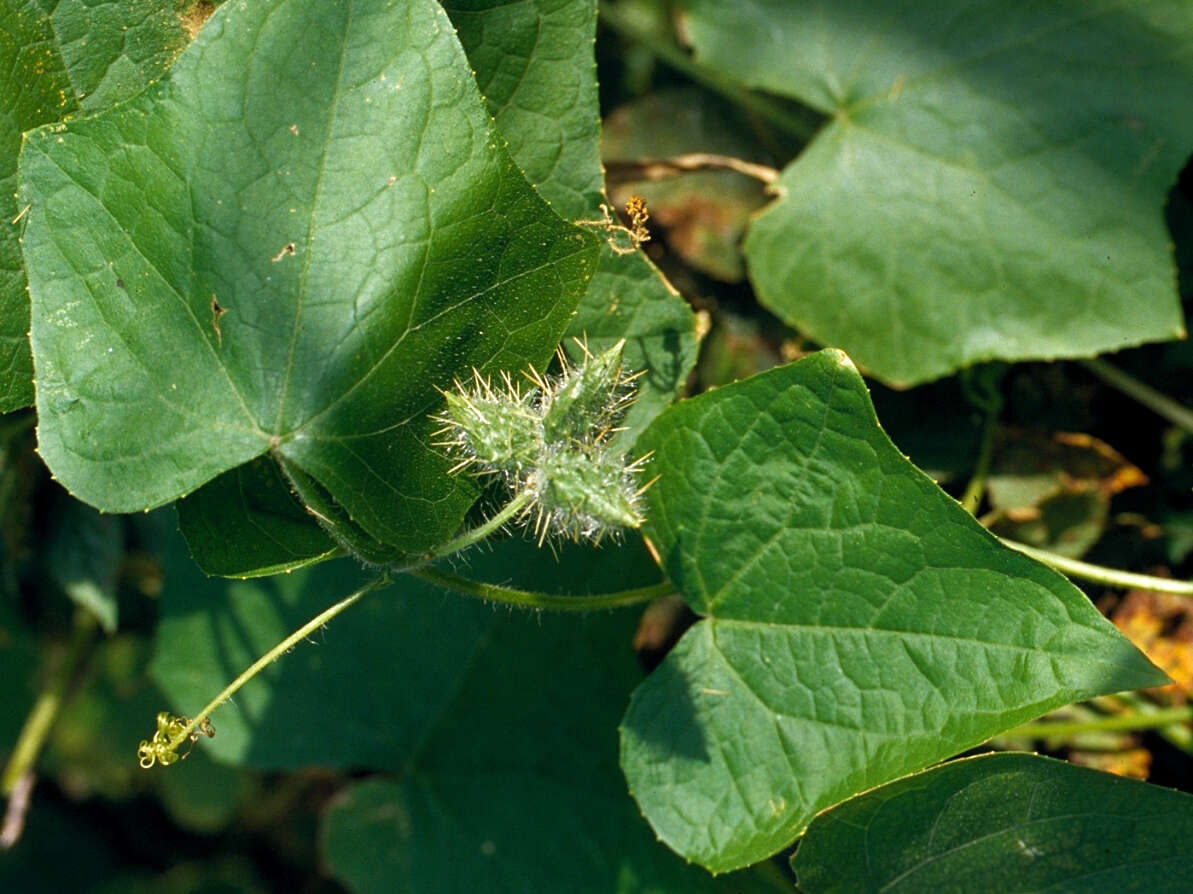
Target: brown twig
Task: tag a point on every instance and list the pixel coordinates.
(630, 170)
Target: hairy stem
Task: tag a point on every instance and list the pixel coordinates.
(48, 705)
(529, 599)
(479, 533)
(264, 661)
(1112, 577)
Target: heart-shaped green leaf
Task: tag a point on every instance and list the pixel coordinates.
(1003, 822)
(534, 63)
(859, 624)
(58, 58)
(285, 247)
(991, 184)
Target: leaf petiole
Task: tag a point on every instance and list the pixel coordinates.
(1111, 577)
(48, 705)
(1114, 723)
(801, 128)
(550, 601)
(512, 510)
(1161, 404)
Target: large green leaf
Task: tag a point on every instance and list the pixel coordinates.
(991, 184)
(501, 727)
(534, 63)
(859, 624)
(57, 58)
(1005, 822)
(83, 552)
(285, 247)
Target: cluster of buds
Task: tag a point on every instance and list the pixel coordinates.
(549, 443)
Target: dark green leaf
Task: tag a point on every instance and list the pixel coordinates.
(248, 523)
(284, 247)
(860, 625)
(83, 556)
(992, 181)
(534, 64)
(57, 58)
(113, 50)
(99, 727)
(211, 629)
(999, 823)
(501, 725)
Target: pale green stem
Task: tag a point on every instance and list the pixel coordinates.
(1098, 574)
(261, 663)
(1177, 734)
(479, 533)
(675, 57)
(1162, 404)
(1116, 723)
(528, 599)
(972, 498)
(47, 706)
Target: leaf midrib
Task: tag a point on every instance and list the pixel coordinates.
(304, 276)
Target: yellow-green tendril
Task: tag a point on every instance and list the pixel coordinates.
(173, 731)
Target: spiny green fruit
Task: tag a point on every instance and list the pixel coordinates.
(551, 442)
(586, 399)
(494, 431)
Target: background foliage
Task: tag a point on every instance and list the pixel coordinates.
(246, 252)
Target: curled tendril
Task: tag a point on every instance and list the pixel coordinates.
(171, 732)
(636, 232)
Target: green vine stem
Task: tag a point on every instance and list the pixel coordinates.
(1115, 723)
(48, 705)
(976, 488)
(1111, 577)
(511, 511)
(800, 128)
(1161, 404)
(1179, 735)
(981, 387)
(165, 752)
(528, 599)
